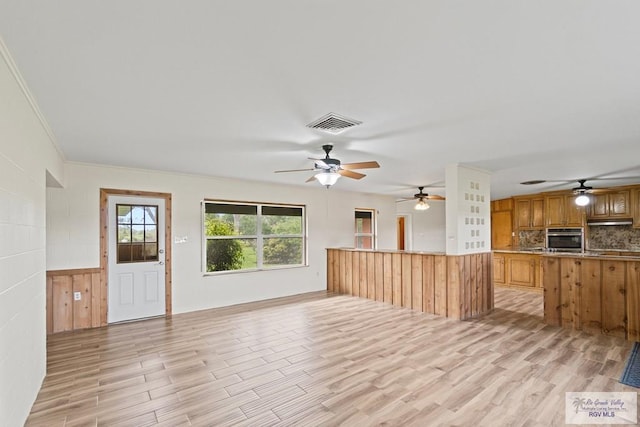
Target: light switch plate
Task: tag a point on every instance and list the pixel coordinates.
(77, 296)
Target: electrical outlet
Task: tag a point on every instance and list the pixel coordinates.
(77, 296)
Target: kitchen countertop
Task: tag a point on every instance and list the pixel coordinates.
(590, 254)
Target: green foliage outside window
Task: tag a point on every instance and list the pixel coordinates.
(223, 254)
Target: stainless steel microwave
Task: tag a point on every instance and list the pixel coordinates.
(565, 239)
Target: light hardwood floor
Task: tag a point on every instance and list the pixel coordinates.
(322, 359)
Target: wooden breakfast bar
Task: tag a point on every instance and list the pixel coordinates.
(595, 294)
(455, 286)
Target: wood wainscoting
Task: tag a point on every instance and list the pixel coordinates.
(460, 287)
(66, 314)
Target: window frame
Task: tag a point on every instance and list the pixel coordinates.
(259, 236)
(374, 229)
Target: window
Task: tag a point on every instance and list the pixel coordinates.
(137, 233)
(251, 236)
(365, 229)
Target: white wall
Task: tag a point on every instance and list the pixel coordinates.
(427, 228)
(26, 152)
(73, 229)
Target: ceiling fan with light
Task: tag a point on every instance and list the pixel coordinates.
(421, 204)
(582, 191)
(329, 170)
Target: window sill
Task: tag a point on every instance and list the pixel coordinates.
(254, 270)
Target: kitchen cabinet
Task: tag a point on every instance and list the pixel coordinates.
(517, 270)
(502, 224)
(529, 213)
(561, 211)
(502, 205)
(498, 269)
(501, 230)
(635, 207)
(613, 204)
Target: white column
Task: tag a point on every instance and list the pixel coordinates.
(468, 210)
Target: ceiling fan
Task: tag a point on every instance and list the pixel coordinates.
(330, 169)
(581, 191)
(422, 198)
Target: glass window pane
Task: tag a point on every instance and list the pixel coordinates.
(124, 233)
(151, 215)
(272, 224)
(364, 242)
(137, 214)
(231, 254)
(150, 233)
(230, 224)
(137, 233)
(137, 252)
(124, 214)
(151, 251)
(282, 251)
(124, 253)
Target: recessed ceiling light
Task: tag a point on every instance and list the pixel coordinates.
(533, 182)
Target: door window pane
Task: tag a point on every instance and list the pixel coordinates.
(137, 239)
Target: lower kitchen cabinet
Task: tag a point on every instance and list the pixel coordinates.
(517, 270)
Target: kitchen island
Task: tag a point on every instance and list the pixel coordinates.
(593, 292)
(455, 286)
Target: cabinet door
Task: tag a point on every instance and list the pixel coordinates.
(523, 213)
(555, 206)
(574, 216)
(619, 205)
(521, 271)
(501, 230)
(599, 206)
(498, 269)
(537, 213)
(636, 207)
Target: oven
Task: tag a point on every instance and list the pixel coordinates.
(565, 239)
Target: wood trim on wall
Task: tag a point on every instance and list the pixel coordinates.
(104, 252)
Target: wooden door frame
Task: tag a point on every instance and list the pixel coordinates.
(104, 250)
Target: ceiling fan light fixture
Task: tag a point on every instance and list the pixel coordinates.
(582, 199)
(421, 205)
(327, 178)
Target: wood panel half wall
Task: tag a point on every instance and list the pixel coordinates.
(460, 287)
(64, 313)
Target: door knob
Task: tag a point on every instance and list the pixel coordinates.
(161, 263)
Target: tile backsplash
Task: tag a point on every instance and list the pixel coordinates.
(531, 238)
(623, 237)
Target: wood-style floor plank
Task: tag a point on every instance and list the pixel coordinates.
(326, 359)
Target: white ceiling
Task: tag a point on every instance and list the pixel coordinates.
(526, 90)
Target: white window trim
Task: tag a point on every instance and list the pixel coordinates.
(259, 237)
(374, 228)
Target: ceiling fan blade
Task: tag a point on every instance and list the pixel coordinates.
(313, 178)
(351, 174)
(434, 197)
(361, 165)
(294, 170)
(405, 200)
(321, 164)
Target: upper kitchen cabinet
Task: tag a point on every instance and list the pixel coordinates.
(529, 213)
(635, 200)
(502, 224)
(612, 204)
(561, 211)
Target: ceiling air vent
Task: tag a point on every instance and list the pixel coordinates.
(333, 123)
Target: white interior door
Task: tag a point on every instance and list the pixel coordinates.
(136, 227)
